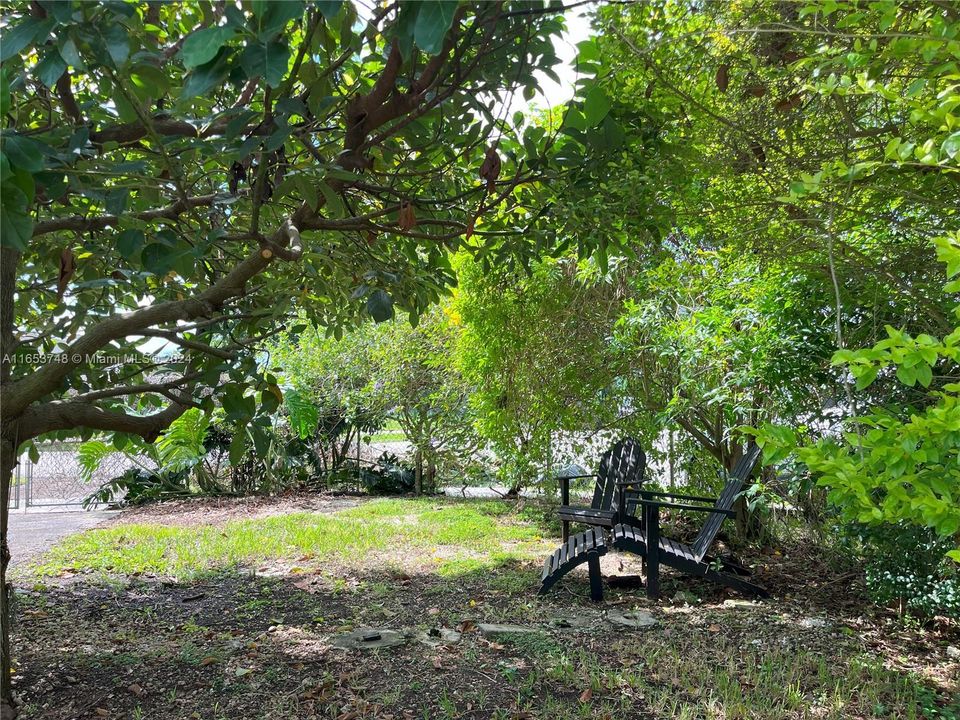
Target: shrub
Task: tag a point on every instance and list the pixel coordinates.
(907, 565)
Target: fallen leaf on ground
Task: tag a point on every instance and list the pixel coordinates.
(586, 695)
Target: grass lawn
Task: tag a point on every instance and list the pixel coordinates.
(203, 612)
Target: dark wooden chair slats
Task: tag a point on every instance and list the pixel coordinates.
(738, 476)
(621, 468)
(586, 546)
(692, 560)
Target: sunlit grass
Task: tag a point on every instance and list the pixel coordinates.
(353, 536)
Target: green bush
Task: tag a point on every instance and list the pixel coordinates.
(907, 565)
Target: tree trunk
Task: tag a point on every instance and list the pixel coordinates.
(8, 458)
(9, 259)
(418, 474)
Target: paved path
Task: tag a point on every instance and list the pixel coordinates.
(32, 533)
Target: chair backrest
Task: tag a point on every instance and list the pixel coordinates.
(738, 477)
(625, 461)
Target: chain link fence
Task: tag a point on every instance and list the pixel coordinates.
(54, 480)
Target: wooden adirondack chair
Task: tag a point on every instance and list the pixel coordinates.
(615, 493)
(644, 538)
(615, 497)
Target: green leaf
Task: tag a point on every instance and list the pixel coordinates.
(16, 224)
(202, 46)
(61, 10)
(866, 377)
(236, 404)
(334, 203)
(304, 415)
(90, 455)
(238, 447)
(70, 54)
(595, 106)
(17, 38)
(208, 76)
(433, 22)
(380, 306)
(4, 93)
(951, 146)
(148, 82)
(954, 555)
(157, 259)
(268, 61)
(272, 17)
(129, 243)
(118, 44)
(329, 8)
(24, 153)
(50, 68)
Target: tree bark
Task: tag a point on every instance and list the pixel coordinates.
(8, 458)
(9, 260)
(418, 474)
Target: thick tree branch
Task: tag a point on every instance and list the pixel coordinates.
(16, 397)
(58, 415)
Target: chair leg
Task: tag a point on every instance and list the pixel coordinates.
(653, 552)
(596, 580)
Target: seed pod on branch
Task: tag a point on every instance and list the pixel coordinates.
(490, 170)
(238, 173)
(68, 267)
(723, 77)
(406, 219)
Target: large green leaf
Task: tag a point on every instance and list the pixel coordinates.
(433, 22)
(129, 243)
(303, 413)
(23, 152)
(380, 306)
(595, 106)
(16, 224)
(90, 455)
(207, 76)
(20, 36)
(118, 44)
(268, 61)
(158, 258)
(202, 46)
(50, 68)
(329, 8)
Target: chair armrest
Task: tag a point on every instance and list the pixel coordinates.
(679, 506)
(695, 498)
(568, 478)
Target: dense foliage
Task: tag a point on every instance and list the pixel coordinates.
(731, 228)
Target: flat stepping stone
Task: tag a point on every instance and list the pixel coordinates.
(492, 630)
(434, 637)
(368, 639)
(571, 622)
(740, 604)
(638, 619)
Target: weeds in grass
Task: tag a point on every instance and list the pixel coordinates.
(188, 553)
